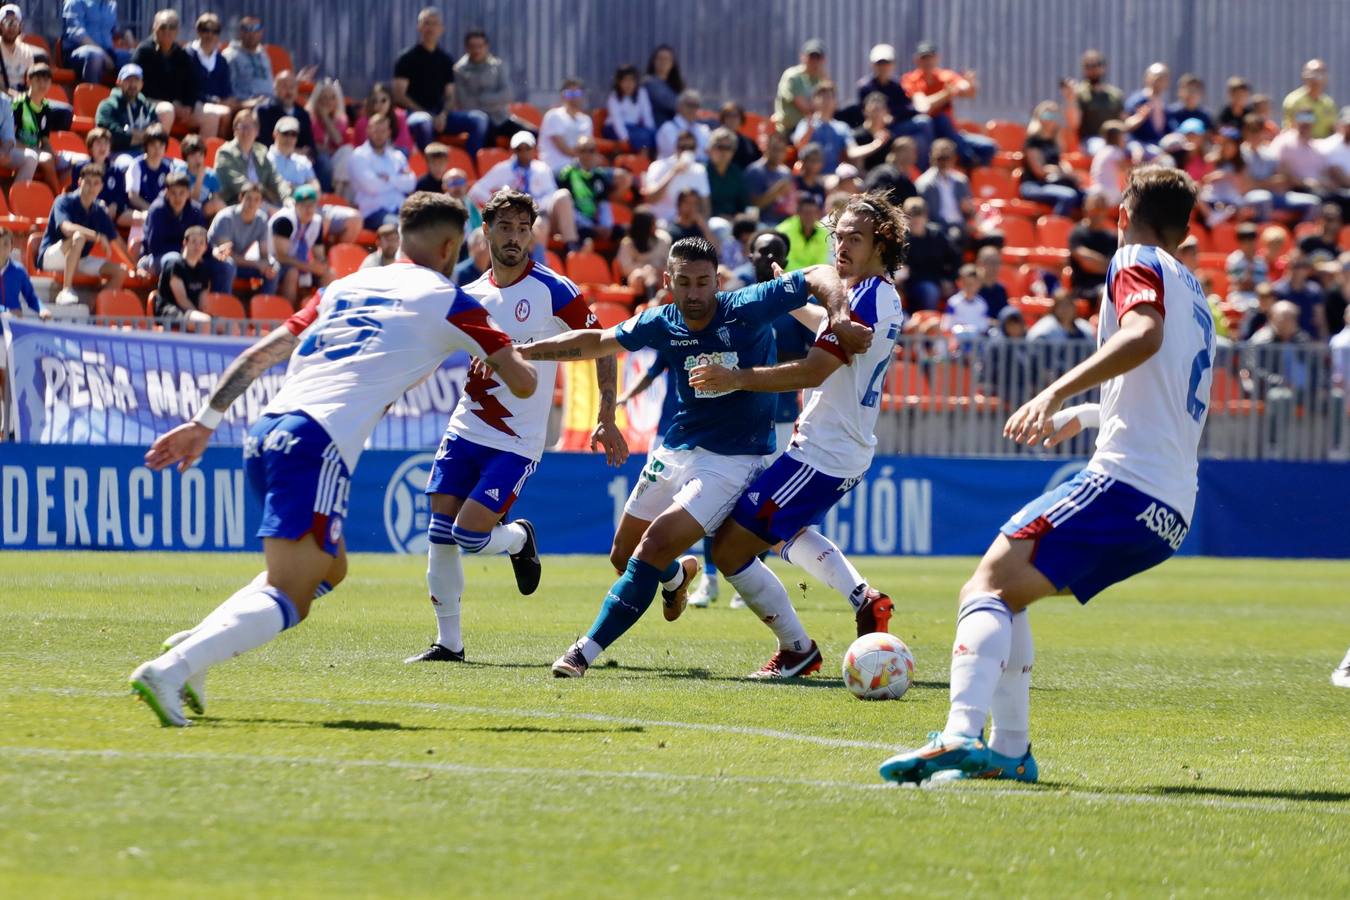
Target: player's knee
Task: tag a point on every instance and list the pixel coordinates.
(618, 557)
(469, 541)
(656, 550)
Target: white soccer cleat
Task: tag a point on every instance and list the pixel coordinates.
(737, 601)
(1341, 677)
(160, 694)
(194, 690)
(705, 594)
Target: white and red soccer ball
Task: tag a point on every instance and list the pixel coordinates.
(878, 667)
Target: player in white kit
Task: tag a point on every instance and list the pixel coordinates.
(371, 337)
(831, 447)
(495, 441)
(1128, 511)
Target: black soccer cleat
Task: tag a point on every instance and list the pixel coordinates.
(526, 563)
(437, 653)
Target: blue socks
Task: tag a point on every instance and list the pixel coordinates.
(708, 566)
(628, 599)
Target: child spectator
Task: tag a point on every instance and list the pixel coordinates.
(1274, 240)
(967, 314)
(114, 193)
(16, 288)
(184, 279)
(78, 223)
(203, 185)
(1111, 163)
(168, 220)
(821, 128)
(629, 116)
(438, 161)
(988, 261)
(32, 130)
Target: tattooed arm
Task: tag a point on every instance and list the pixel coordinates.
(580, 344)
(606, 433)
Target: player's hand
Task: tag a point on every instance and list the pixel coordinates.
(777, 269)
(1070, 429)
(608, 436)
(854, 337)
(1034, 421)
(479, 369)
(713, 378)
(184, 445)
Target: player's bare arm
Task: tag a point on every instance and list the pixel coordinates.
(519, 376)
(186, 443)
(825, 285)
(808, 372)
(607, 434)
(1140, 336)
(578, 344)
(811, 315)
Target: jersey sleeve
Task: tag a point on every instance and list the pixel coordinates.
(1135, 284)
(766, 301)
(826, 341)
(306, 316)
(641, 331)
(471, 318)
(570, 307)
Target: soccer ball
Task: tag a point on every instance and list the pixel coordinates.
(878, 667)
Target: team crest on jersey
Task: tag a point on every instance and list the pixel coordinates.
(727, 359)
(522, 310)
(724, 335)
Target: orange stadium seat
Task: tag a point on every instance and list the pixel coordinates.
(1054, 231)
(68, 141)
(58, 93)
(1010, 136)
(587, 268)
(121, 303)
(31, 200)
(223, 306)
(212, 145)
(88, 97)
(1343, 239)
(280, 58)
(10, 222)
(269, 307)
(346, 258)
(418, 163)
(1223, 238)
(633, 162)
(527, 112)
(460, 159)
(610, 313)
(1018, 232)
(489, 157)
(988, 183)
(554, 262)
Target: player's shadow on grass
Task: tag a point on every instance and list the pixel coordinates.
(338, 724)
(1195, 790)
(536, 729)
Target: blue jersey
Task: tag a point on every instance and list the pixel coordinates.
(740, 335)
(669, 402)
(794, 341)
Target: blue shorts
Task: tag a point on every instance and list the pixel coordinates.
(494, 478)
(1094, 531)
(297, 474)
(786, 497)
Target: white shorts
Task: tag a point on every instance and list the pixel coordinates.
(54, 260)
(704, 484)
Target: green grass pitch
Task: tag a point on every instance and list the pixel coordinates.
(1189, 741)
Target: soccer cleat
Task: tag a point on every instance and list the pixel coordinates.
(571, 664)
(736, 602)
(194, 689)
(162, 697)
(526, 563)
(673, 602)
(437, 653)
(789, 664)
(706, 593)
(943, 751)
(875, 613)
(1341, 677)
(1001, 768)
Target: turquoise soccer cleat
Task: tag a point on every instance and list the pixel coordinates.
(1000, 768)
(942, 752)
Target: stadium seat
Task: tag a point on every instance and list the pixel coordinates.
(633, 162)
(1218, 280)
(528, 112)
(1223, 238)
(554, 262)
(223, 306)
(968, 126)
(1216, 261)
(120, 304)
(1018, 232)
(58, 93)
(610, 313)
(280, 58)
(31, 200)
(10, 222)
(212, 145)
(335, 200)
(460, 159)
(1033, 308)
(1054, 231)
(489, 157)
(1016, 280)
(418, 163)
(1343, 239)
(37, 40)
(1010, 136)
(88, 97)
(1306, 229)
(175, 149)
(69, 142)
(623, 214)
(990, 183)
(346, 258)
(587, 268)
(269, 307)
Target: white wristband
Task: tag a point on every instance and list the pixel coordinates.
(1087, 414)
(208, 418)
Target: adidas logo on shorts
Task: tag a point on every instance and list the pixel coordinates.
(493, 493)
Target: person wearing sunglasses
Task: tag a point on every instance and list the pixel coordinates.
(215, 105)
(564, 126)
(250, 68)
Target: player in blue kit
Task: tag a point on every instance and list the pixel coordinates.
(1126, 512)
(717, 441)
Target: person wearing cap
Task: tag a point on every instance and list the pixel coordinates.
(564, 126)
(293, 166)
(1189, 104)
(797, 85)
(1298, 158)
(380, 174)
(167, 220)
(294, 237)
(79, 222)
(244, 159)
(525, 172)
(250, 66)
(126, 112)
(16, 56)
(906, 116)
(170, 76)
(386, 247)
(822, 128)
(685, 120)
(87, 38)
(933, 89)
(1312, 97)
(424, 85)
(1146, 111)
(239, 244)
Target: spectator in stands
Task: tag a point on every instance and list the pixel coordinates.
(386, 248)
(642, 253)
(1190, 104)
(1063, 323)
(472, 267)
(146, 173)
(932, 259)
(1237, 106)
(328, 121)
(282, 105)
(1321, 246)
(16, 55)
(456, 184)
(729, 192)
(770, 182)
(203, 185)
(685, 120)
(524, 172)
(690, 219)
(1263, 172)
(244, 159)
(735, 252)
(481, 84)
(437, 157)
(671, 176)
(1255, 318)
(294, 233)
(184, 279)
(1225, 189)
(170, 76)
(629, 115)
(732, 118)
(847, 179)
(1146, 112)
(1092, 243)
(1099, 101)
(1336, 152)
(564, 126)
(1274, 241)
(1245, 269)
(1337, 307)
(792, 102)
(808, 241)
(933, 89)
(381, 177)
(215, 104)
(16, 288)
(32, 131)
(292, 166)
(664, 83)
(239, 244)
(87, 40)
(125, 112)
(381, 100)
(114, 192)
(1044, 180)
(1299, 288)
(167, 220)
(250, 66)
(1273, 368)
(1312, 98)
(872, 139)
(1298, 158)
(808, 175)
(424, 85)
(946, 191)
(822, 128)
(1006, 369)
(590, 185)
(988, 262)
(79, 222)
(895, 177)
(1110, 163)
(905, 118)
(967, 313)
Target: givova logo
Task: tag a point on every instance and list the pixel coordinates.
(407, 509)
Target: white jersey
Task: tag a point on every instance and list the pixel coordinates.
(369, 338)
(539, 304)
(836, 432)
(1152, 416)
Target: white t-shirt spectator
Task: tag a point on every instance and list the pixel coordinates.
(537, 181)
(1336, 153)
(668, 137)
(966, 313)
(380, 180)
(1303, 161)
(1108, 166)
(1340, 358)
(694, 178)
(558, 122)
(303, 240)
(634, 110)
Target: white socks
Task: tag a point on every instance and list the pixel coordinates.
(244, 622)
(979, 655)
(508, 538)
(818, 556)
(590, 650)
(445, 582)
(1011, 706)
(765, 594)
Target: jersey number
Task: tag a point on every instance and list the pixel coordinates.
(873, 393)
(1203, 361)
